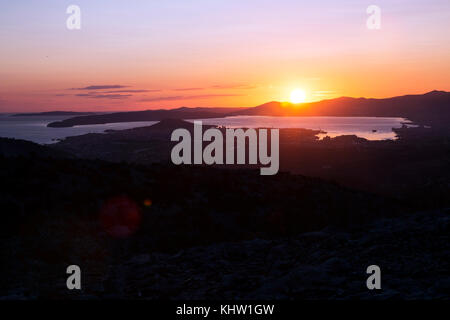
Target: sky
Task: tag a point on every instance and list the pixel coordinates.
(151, 54)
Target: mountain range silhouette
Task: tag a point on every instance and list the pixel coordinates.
(432, 108)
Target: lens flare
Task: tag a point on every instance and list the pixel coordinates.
(120, 217)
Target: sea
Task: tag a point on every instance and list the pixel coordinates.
(34, 128)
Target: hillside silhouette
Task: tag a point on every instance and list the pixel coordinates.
(147, 115)
(432, 108)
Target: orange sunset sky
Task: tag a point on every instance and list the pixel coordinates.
(166, 54)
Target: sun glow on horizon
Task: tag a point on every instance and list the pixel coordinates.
(298, 96)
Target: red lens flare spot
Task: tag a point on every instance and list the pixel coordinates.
(147, 202)
(120, 217)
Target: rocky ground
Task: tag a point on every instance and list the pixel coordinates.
(413, 254)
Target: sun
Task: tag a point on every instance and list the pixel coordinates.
(298, 96)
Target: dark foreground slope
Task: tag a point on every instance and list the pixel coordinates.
(207, 233)
(414, 168)
(15, 148)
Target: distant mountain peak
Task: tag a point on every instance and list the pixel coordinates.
(436, 92)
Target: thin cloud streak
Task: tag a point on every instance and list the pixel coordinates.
(132, 91)
(235, 86)
(175, 98)
(101, 87)
(104, 96)
(188, 89)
